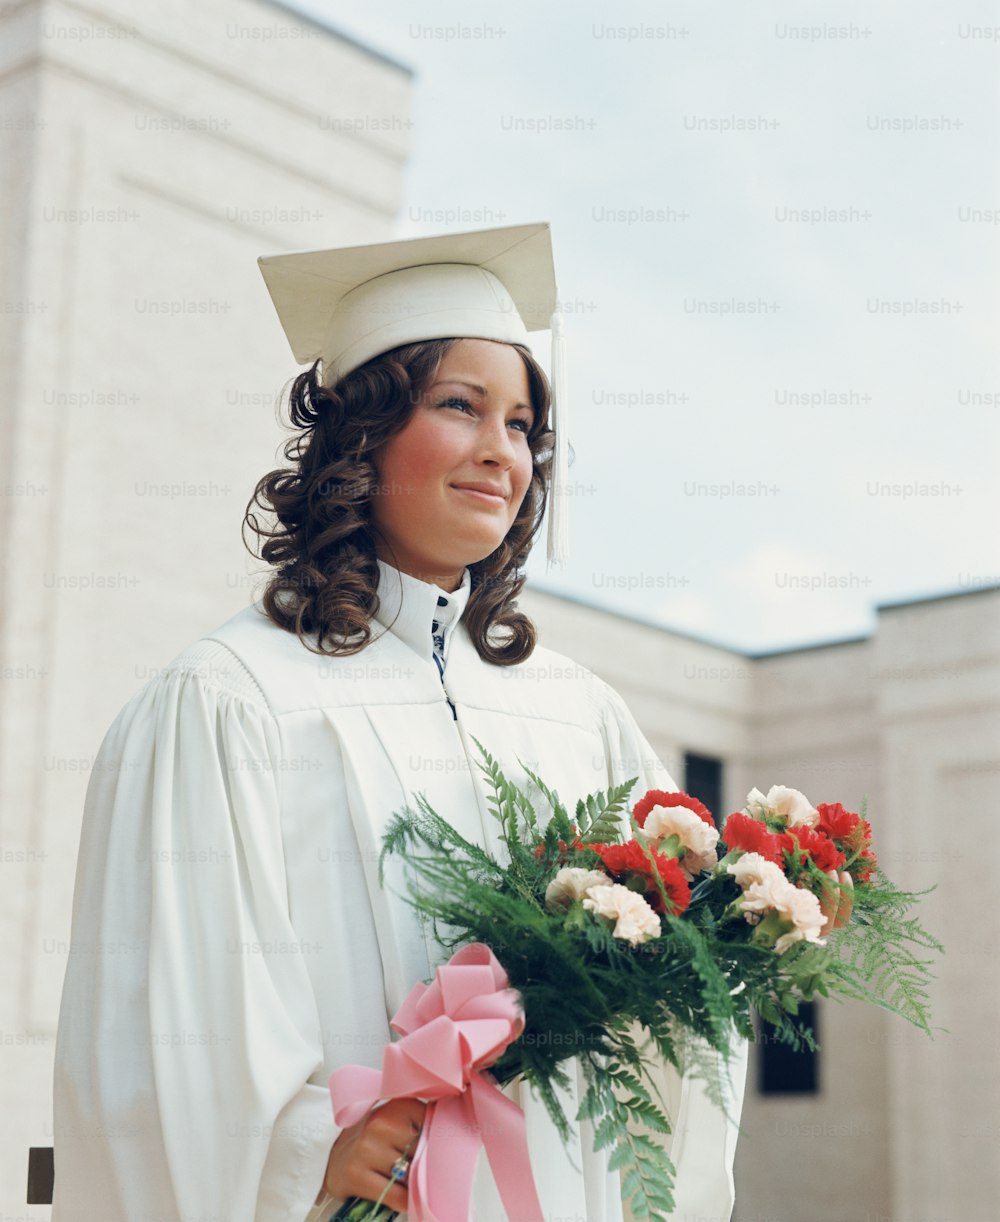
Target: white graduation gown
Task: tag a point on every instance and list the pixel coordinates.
(232, 946)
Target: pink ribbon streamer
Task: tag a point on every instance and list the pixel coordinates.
(452, 1029)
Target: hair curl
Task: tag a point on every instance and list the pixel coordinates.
(322, 540)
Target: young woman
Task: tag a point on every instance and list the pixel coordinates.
(232, 944)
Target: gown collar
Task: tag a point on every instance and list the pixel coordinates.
(408, 607)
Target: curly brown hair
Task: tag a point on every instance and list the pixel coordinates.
(322, 540)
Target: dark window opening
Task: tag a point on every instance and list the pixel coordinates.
(781, 1069)
(703, 780)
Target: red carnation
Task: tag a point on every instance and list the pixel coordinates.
(617, 858)
(751, 835)
(629, 865)
(659, 797)
(805, 841)
(853, 834)
(836, 822)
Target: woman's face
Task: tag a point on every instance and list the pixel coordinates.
(452, 480)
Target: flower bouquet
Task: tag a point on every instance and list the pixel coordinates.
(597, 932)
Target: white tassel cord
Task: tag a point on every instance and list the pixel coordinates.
(558, 536)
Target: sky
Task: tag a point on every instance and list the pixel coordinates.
(776, 231)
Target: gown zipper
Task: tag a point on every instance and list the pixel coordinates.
(440, 670)
(483, 816)
(484, 813)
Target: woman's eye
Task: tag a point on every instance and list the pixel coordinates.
(522, 425)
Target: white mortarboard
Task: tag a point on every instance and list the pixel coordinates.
(348, 305)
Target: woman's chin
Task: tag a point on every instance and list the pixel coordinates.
(470, 550)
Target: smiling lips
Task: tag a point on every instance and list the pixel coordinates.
(490, 494)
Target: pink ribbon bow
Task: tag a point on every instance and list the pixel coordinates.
(452, 1030)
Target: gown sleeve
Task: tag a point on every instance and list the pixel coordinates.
(702, 1144)
(188, 1029)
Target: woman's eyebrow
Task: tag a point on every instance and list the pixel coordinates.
(478, 389)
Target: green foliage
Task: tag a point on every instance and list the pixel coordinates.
(424, 827)
(618, 1105)
(598, 816)
(878, 955)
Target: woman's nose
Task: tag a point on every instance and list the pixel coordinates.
(495, 442)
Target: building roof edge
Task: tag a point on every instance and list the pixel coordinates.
(328, 28)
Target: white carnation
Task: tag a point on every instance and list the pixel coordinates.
(571, 883)
(634, 920)
(796, 906)
(765, 893)
(697, 837)
(788, 804)
(753, 868)
(802, 908)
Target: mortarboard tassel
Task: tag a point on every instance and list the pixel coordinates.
(558, 537)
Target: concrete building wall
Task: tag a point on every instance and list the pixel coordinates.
(939, 712)
(815, 728)
(148, 155)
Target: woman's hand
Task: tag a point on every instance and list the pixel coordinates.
(837, 901)
(361, 1158)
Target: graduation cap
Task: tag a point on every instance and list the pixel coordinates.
(345, 306)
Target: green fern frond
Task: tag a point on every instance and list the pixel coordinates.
(597, 816)
(648, 1180)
